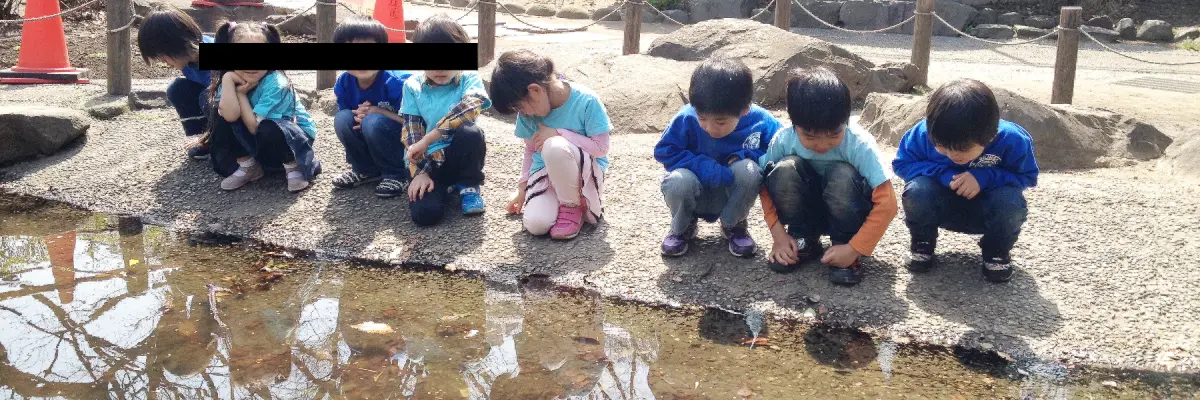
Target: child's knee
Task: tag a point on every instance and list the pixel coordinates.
(843, 185)
(426, 213)
(920, 190)
(1007, 203)
(539, 222)
(681, 183)
(375, 124)
(558, 149)
(343, 122)
(784, 176)
(746, 174)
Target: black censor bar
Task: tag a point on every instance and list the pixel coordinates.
(338, 56)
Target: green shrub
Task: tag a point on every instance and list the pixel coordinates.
(666, 4)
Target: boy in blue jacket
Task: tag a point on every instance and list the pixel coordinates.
(367, 123)
(710, 151)
(966, 171)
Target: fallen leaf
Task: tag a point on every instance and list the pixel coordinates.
(133, 262)
(374, 327)
(758, 341)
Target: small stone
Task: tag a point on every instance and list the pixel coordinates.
(677, 279)
(107, 107)
(1109, 384)
(986, 346)
(814, 298)
(451, 267)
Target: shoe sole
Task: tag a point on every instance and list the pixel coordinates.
(199, 158)
(748, 254)
(386, 196)
(680, 253)
(247, 183)
(568, 237)
(473, 212)
(359, 183)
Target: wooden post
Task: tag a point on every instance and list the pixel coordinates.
(783, 14)
(633, 27)
(487, 31)
(1068, 53)
(922, 39)
(326, 23)
(120, 48)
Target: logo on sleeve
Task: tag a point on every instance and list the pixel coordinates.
(753, 141)
(985, 161)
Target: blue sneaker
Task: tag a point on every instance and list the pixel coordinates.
(472, 202)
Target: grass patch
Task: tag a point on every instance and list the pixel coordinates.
(1193, 45)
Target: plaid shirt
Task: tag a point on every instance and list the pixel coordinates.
(416, 127)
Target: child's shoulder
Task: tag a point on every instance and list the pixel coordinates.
(758, 114)
(274, 79)
(1009, 128)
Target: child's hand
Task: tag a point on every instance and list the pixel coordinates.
(232, 78)
(416, 150)
(965, 185)
(243, 87)
(840, 256)
(517, 202)
(783, 251)
(420, 185)
(543, 133)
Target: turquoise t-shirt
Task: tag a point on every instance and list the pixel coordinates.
(857, 148)
(274, 99)
(583, 113)
(432, 103)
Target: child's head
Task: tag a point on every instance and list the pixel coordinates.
(819, 105)
(171, 37)
(440, 29)
(962, 118)
(248, 32)
(722, 89)
(519, 83)
(360, 30)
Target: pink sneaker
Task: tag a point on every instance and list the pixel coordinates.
(570, 220)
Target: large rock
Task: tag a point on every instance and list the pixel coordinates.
(1064, 136)
(828, 11)
(1100, 21)
(958, 15)
(512, 7)
(863, 15)
(1010, 18)
(641, 93)
(703, 10)
(107, 107)
(763, 15)
(986, 16)
(1183, 157)
(975, 3)
(743, 39)
(28, 131)
(1127, 29)
(1029, 32)
(891, 77)
(679, 16)
(148, 99)
(305, 24)
(648, 15)
(1187, 34)
(1101, 34)
(1155, 31)
(994, 31)
(609, 13)
(572, 12)
(325, 101)
(541, 10)
(1041, 21)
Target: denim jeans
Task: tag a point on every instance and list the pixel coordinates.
(276, 142)
(463, 167)
(688, 199)
(810, 204)
(997, 214)
(190, 100)
(373, 149)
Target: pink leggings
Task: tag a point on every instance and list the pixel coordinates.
(562, 164)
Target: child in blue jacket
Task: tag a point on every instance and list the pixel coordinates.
(711, 151)
(966, 171)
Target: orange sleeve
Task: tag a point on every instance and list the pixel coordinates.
(886, 207)
(769, 213)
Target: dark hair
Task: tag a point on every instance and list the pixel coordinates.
(440, 29)
(515, 71)
(169, 33)
(962, 113)
(722, 86)
(360, 27)
(225, 34)
(817, 100)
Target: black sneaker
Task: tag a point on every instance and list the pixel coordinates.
(806, 248)
(848, 276)
(198, 153)
(391, 188)
(351, 179)
(922, 256)
(998, 269)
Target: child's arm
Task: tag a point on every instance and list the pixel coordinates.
(911, 161)
(465, 111)
(412, 133)
(248, 117)
(1020, 170)
(229, 107)
(341, 91)
(768, 128)
(673, 151)
(596, 145)
(390, 115)
(872, 230)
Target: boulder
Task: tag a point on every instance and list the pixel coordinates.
(641, 93)
(994, 31)
(1064, 136)
(975, 3)
(307, 97)
(148, 99)
(986, 16)
(572, 12)
(326, 102)
(763, 15)
(1101, 34)
(1010, 18)
(828, 11)
(1028, 32)
(743, 39)
(1155, 31)
(1187, 34)
(29, 130)
(608, 14)
(892, 77)
(1100, 21)
(703, 10)
(1041, 21)
(1183, 157)
(679, 16)
(541, 10)
(649, 16)
(459, 3)
(513, 8)
(958, 15)
(305, 24)
(107, 107)
(1127, 29)
(862, 15)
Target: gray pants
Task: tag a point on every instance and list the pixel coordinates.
(688, 199)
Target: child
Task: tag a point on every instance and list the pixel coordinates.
(173, 38)
(824, 178)
(445, 149)
(966, 170)
(711, 152)
(367, 123)
(261, 122)
(565, 128)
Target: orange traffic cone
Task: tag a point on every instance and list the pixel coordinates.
(43, 57)
(390, 13)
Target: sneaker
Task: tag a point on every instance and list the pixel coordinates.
(998, 269)
(351, 179)
(242, 176)
(846, 276)
(740, 242)
(472, 202)
(922, 256)
(570, 220)
(806, 248)
(391, 188)
(295, 180)
(199, 149)
(677, 245)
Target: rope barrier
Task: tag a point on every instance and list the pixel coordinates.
(68, 11)
(764, 10)
(664, 15)
(343, 5)
(132, 19)
(814, 16)
(964, 34)
(539, 29)
(1114, 51)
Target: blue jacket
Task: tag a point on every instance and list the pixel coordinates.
(685, 144)
(1007, 161)
(386, 92)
